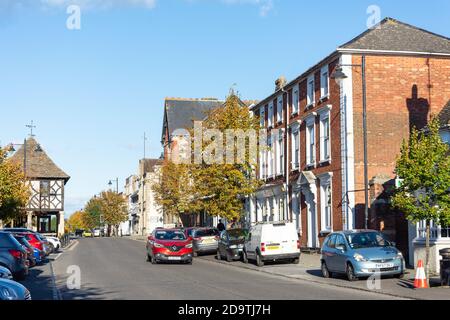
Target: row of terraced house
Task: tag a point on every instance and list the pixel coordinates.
(314, 166)
(313, 170)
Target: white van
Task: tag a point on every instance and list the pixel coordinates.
(272, 241)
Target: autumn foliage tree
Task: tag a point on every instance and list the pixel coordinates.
(14, 192)
(76, 221)
(215, 187)
(222, 185)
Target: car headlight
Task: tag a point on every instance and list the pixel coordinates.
(399, 255)
(359, 257)
(233, 246)
(157, 245)
(7, 294)
(188, 246)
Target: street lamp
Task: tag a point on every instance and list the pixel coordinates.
(110, 183)
(339, 75)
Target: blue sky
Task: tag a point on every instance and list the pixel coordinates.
(93, 92)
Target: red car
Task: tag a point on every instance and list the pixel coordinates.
(169, 245)
(34, 241)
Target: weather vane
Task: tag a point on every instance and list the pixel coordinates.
(31, 126)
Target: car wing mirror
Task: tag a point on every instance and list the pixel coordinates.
(341, 248)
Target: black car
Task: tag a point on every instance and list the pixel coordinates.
(231, 244)
(13, 256)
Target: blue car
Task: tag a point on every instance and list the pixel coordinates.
(360, 253)
(37, 255)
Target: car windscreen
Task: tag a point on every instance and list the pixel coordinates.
(237, 234)
(170, 235)
(206, 233)
(366, 240)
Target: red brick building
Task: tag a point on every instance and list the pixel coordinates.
(315, 163)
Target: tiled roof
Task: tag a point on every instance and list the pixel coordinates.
(180, 113)
(38, 164)
(394, 35)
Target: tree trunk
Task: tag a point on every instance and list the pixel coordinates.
(427, 251)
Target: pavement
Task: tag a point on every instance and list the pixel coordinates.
(116, 268)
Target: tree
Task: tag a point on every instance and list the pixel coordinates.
(14, 192)
(424, 166)
(221, 186)
(76, 221)
(92, 213)
(174, 190)
(113, 207)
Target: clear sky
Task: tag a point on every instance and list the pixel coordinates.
(93, 92)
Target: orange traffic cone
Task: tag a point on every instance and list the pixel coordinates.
(420, 281)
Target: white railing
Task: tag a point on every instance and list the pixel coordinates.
(436, 231)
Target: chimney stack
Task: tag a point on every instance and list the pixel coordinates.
(280, 83)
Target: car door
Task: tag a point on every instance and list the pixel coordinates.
(340, 258)
(328, 251)
(249, 249)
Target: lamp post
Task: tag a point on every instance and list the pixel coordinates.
(110, 183)
(339, 75)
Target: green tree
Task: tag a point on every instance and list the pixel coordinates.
(14, 192)
(424, 166)
(92, 213)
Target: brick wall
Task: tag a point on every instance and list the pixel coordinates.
(401, 92)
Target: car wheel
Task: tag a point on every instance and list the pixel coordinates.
(153, 260)
(350, 272)
(195, 254)
(399, 276)
(296, 261)
(325, 272)
(244, 257)
(229, 259)
(259, 260)
(218, 255)
(189, 262)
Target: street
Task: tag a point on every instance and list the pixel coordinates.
(115, 268)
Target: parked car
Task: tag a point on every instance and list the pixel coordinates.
(205, 240)
(97, 232)
(55, 242)
(87, 234)
(79, 232)
(35, 241)
(169, 245)
(11, 290)
(360, 253)
(29, 248)
(272, 241)
(13, 256)
(188, 231)
(231, 244)
(5, 273)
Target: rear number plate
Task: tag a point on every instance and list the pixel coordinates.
(273, 247)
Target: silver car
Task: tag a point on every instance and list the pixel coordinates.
(360, 253)
(11, 290)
